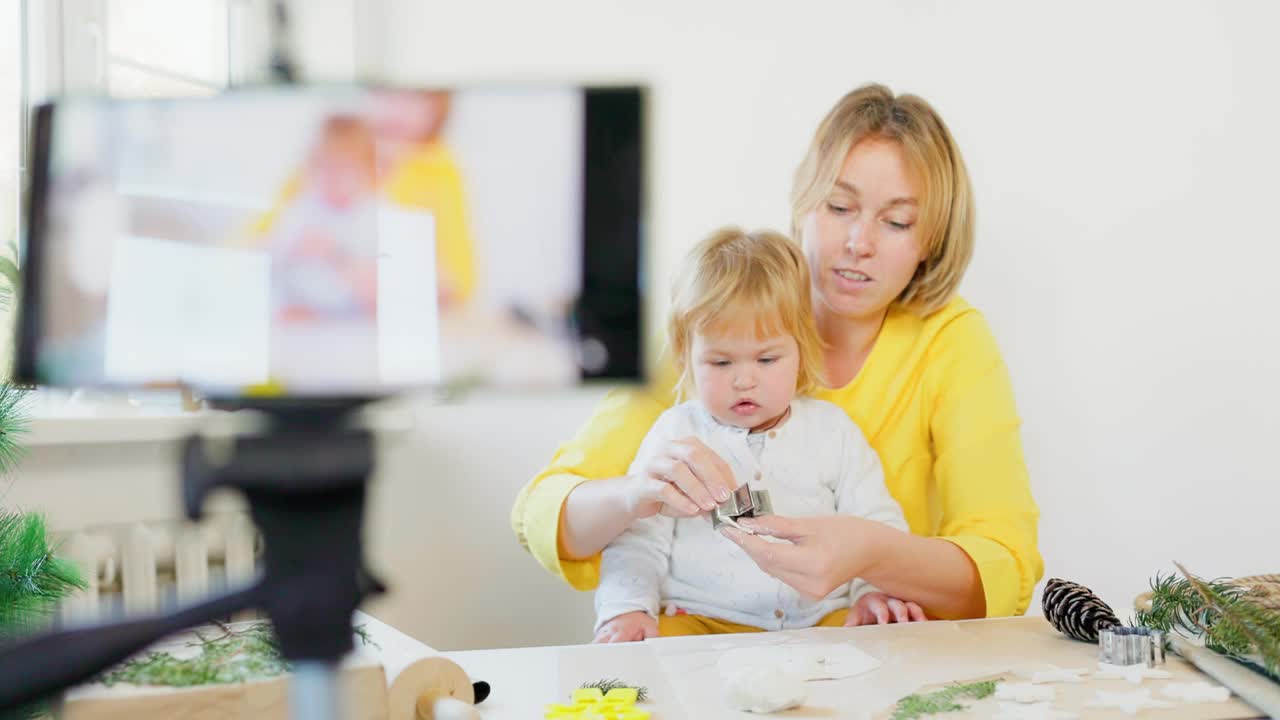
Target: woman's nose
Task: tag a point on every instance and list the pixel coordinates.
(859, 241)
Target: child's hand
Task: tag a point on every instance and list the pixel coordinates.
(628, 627)
(686, 479)
(877, 608)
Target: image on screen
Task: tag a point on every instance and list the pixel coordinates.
(339, 241)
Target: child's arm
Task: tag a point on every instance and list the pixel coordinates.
(633, 566)
(860, 489)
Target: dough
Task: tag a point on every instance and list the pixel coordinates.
(1070, 675)
(764, 691)
(1131, 702)
(1196, 692)
(1024, 692)
(1133, 673)
(805, 661)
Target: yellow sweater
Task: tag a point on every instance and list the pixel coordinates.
(430, 179)
(933, 399)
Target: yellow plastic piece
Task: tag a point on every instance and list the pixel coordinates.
(583, 696)
(626, 696)
(269, 389)
(592, 704)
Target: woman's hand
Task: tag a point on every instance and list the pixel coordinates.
(627, 627)
(686, 479)
(876, 608)
(821, 553)
(683, 480)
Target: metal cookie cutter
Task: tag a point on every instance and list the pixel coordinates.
(744, 502)
(1131, 646)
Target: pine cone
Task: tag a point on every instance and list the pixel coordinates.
(1075, 610)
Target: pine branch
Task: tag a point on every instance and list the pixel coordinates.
(607, 684)
(945, 700)
(13, 425)
(233, 656)
(32, 578)
(1176, 606)
(13, 278)
(1242, 626)
(228, 656)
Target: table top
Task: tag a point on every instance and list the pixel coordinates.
(683, 679)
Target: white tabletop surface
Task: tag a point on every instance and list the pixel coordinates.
(683, 680)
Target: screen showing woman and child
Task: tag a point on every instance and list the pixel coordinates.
(313, 242)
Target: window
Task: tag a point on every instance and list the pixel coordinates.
(10, 118)
(138, 48)
(10, 159)
(190, 57)
(143, 48)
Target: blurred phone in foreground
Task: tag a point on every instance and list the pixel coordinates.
(336, 242)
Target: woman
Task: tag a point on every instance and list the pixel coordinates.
(883, 209)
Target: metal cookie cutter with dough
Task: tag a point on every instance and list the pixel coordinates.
(744, 502)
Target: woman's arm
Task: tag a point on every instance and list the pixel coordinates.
(593, 514)
(603, 448)
(935, 574)
(586, 497)
(982, 485)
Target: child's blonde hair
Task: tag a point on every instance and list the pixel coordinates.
(761, 275)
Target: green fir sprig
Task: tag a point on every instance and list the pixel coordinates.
(941, 701)
(32, 578)
(13, 425)
(230, 655)
(1242, 626)
(607, 684)
(1224, 614)
(32, 581)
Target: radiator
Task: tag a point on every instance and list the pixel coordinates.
(147, 567)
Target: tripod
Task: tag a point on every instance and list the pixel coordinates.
(305, 481)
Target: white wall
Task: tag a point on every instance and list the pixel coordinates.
(439, 528)
(1124, 156)
(1125, 160)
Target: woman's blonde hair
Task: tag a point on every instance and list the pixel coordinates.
(946, 203)
(735, 276)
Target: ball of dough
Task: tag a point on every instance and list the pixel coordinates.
(764, 691)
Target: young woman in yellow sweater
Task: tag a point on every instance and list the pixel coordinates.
(883, 209)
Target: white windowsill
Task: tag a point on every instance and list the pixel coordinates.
(86, 417)
(109, 429)
(119, 422)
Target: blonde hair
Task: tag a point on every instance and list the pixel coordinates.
(946, 202)
(733, 273)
